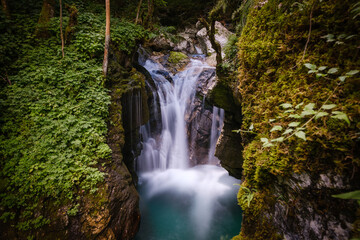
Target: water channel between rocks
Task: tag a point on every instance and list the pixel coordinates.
(179, 198)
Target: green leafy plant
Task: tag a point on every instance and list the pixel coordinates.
(297, 117)
(355, 195)
(339, 39)
(246, 195)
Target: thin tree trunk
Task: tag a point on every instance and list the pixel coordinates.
(137, 13)
(61, 30)
(107, 37)
(216, 46)
(5, 8)
(211, 33)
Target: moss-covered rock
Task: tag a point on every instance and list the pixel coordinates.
(274, 46)
(177, 57)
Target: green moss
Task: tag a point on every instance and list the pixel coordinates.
(176, 57)
(271, 72)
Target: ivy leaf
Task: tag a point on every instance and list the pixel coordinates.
(309, 106)
(342, 78)
(300, 134)
(328, 106)
(321, 114)
(308, 112)
(294, 124)
(268, 144)
(286, 105)
(341, 116)
(310, 66)
(320, 75)
(299, 105)
(332, 70)
(287, 131)
(280, 139)
(276, 128)
(328, 36)
(322, 68)
(294, 116)
(352, 72)
(351, 36)
(289, 111)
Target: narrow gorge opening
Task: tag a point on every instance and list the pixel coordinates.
(184, 192)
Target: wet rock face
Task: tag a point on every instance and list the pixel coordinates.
(193, 40)
(307, 210)
(229, 149)
(199, 119)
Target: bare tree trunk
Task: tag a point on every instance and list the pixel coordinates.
(211, 33)
(61, 30)
(5, 8)
(107, 37)
(137, 13)
(215, 44)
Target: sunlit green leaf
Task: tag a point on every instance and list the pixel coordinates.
(287, 131)
(352, 72)
(289, 111)
(264, 140)
(309, 106)
(299, 105)
(322, 68)
(342, 78)
(310, 66)
(320, 75)
(341, 116)
(307, 112)
(272, 120)
(328, 106)
(280, 139)
(321, 114)
(268, 144)
(294, 124)
(251, 127)
(333, 70)
(294, 116)
(286, 105)
(300, 134)
(276, 128)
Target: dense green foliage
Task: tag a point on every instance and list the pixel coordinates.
(54, 113)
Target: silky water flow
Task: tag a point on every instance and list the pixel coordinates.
(178, 201)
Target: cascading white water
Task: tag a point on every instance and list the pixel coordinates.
(216, 126)
(171, 149)
(179, 202)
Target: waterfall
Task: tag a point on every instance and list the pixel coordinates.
(216, 127)
(170, 148)
(179, 201)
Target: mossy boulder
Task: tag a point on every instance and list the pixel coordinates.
(177, 57)
(274, 46)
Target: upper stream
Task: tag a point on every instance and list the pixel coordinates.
(177, 199)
